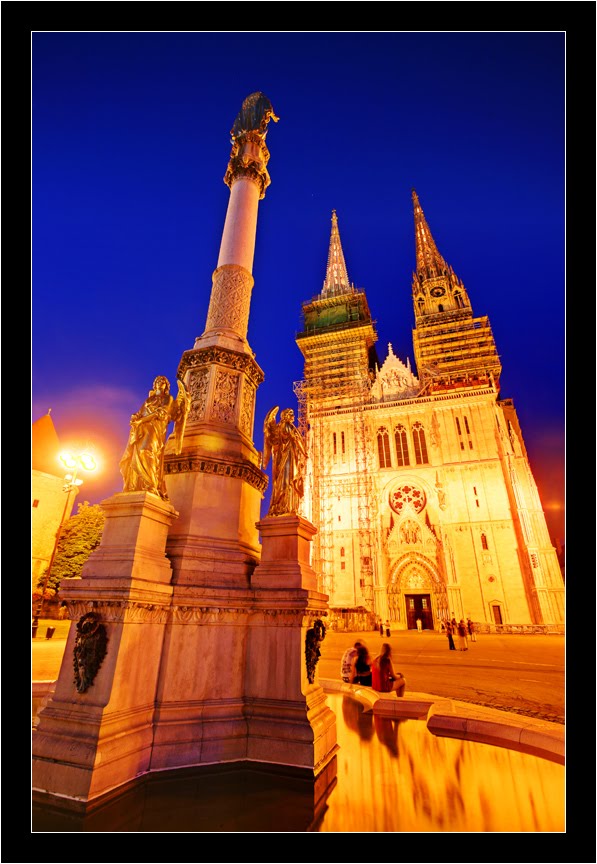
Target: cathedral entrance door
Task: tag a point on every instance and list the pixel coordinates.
(418, 606)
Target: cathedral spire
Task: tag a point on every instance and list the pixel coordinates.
(429, 262)
(452, 349)
(336, 277)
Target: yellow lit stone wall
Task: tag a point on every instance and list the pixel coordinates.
(478, 544)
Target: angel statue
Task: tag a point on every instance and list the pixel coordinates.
(142, 464)
(285, 442)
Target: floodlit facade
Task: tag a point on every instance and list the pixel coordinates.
(419, 484)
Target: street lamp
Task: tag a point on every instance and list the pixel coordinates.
(74, 462)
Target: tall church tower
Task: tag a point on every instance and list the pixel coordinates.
(338, 344)
(451, 347)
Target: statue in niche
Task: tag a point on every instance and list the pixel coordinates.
(283, 442)
(514, 440)
(255, 114)
(142, 464)
(315, 636)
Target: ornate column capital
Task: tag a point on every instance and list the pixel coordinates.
(248, 159)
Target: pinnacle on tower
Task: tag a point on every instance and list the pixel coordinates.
(429, 262)
(336, 277)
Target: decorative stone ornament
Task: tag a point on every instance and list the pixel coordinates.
(315, 636)
(90, 649)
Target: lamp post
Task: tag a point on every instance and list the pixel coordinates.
(74, 462)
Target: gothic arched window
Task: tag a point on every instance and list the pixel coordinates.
(401, 446)
(420, 444)
(383, 448)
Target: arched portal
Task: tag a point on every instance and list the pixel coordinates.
(416, 590)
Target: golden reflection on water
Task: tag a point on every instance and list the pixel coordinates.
(419, 782)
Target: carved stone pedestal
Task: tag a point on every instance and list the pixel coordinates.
(192, 675)
(235, 685)
(289, 721)
(96, 733)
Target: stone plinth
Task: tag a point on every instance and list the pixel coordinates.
(90, 742)
(285, 554)
(234, 684)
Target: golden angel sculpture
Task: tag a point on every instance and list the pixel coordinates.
(142, 463)
(284, 443)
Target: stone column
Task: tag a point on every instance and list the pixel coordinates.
(218, 545)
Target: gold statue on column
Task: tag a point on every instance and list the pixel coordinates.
(285, 443)
(142, 463)
(254, 115)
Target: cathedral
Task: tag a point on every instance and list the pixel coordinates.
(419, 483)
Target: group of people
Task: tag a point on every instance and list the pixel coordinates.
(381, 626)
(358, 667)
(462, 630)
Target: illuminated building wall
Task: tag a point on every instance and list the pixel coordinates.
(419, 484)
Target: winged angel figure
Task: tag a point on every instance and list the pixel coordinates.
(142, 464)
(283, 442)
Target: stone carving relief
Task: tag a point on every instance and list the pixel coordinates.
(246, 411)
(434, 434)
(225, 390)
(230, 299)
(314, 638)
(91, 645)
(410, 531)
(203, 357)
(414, 580)
(126, 611)
(121, 611)
(394, 380)
(410, 534)
(249, 473)
(197, 386)
(441, 495)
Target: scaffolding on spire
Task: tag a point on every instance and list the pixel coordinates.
(337, 343)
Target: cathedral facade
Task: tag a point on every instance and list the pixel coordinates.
(419, 482)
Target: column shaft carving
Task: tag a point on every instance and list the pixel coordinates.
(230, 300)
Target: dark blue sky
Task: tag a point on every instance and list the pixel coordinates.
(130, 142)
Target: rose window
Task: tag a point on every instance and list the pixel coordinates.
(407, 494)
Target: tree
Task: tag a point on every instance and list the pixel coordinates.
(78, 538)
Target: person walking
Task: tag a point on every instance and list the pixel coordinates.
(462, 642)
(361, 667)
(388, 629)
(419, 625)
(471, 630)
(450, 636)
(381, 628)
(383, 676)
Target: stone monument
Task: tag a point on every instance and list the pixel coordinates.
(194, 643)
